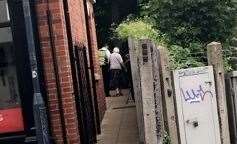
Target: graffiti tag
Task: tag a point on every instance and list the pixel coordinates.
(195, 95)
(192, 72)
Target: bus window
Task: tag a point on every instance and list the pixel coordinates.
(11, 119)
(10, 108)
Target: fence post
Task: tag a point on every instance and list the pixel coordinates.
(147, 88)
(214, 54)
(168, 97)
(155, 56)
(133, 53)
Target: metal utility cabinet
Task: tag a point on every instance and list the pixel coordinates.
(197, 106)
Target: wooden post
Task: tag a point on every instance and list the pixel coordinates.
(168, 97)
(214, 53)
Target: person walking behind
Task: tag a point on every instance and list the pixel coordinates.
(116, 66)
(104, 55)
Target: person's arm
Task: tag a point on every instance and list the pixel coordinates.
(122, 64)
(120, 59)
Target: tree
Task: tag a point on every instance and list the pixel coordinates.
(187, 21)
(108, 14)
(185, 27)
(102, 10)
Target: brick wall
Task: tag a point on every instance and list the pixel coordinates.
(77, 18)
(62, 54)
(79, 35)
(99, 83)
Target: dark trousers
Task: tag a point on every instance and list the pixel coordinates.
(105, 73)
(115, 79)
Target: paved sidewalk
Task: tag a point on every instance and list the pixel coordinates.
(119, 125)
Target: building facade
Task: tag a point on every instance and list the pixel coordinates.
(65, 61)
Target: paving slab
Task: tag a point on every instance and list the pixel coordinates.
(119, 125)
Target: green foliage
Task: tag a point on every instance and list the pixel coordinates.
(191, 56)
(181, 57)
(187, 21)
(167, 139)
(184, 27)
(228, 53)
(138, 29)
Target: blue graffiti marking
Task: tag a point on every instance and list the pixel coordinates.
(195, 95)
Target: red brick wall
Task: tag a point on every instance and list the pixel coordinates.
(79, 35)
(62, 53)
(99, 83)
(77, 19)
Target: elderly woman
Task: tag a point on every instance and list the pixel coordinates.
(116, 66)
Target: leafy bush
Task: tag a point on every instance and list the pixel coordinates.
(180, 57)
(188, 21)
(185, 27)
(139, 29)
(186, 57)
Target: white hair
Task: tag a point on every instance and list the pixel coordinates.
(116, 50)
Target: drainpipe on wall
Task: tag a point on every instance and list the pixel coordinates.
(39, 109)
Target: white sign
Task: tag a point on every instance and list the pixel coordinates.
(197, 106)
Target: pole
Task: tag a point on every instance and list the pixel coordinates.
(168, 97)
(215, 58)
(40, 116)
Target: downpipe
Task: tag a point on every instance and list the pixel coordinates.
(39, 108)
